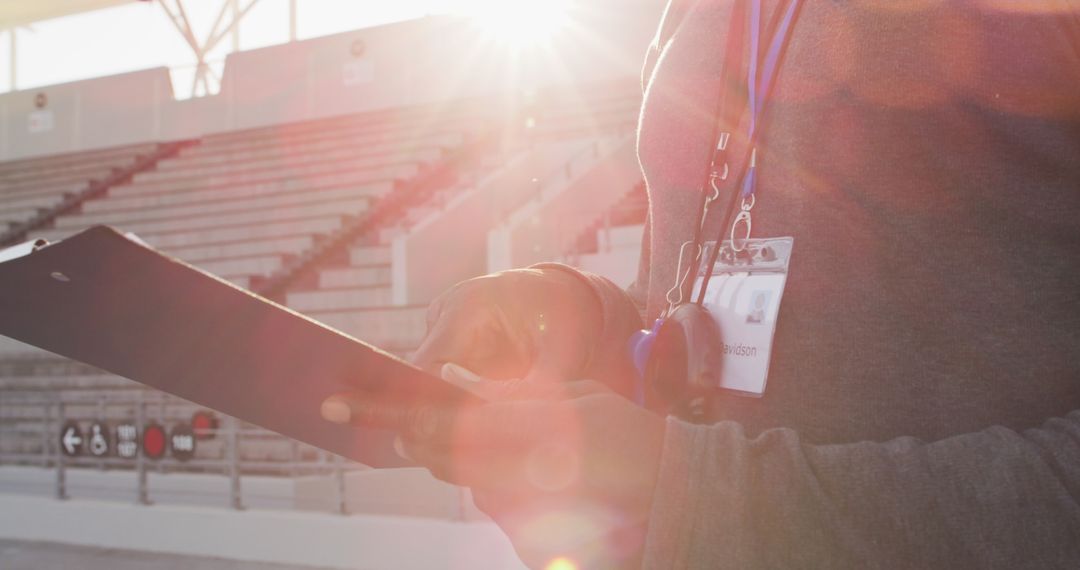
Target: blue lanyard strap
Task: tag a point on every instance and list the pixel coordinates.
(759, 88)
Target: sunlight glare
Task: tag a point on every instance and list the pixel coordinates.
(519, 23)
(561, 564)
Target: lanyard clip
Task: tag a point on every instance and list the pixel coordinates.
(742, 218)
(722, 142)
(686, 267)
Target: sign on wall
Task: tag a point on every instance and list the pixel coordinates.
(71, 439)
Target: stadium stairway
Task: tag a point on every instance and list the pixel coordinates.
(242, 204)
(379, 290)
(356, 221)
(545, 227)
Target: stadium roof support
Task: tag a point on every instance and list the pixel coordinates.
(227, 23)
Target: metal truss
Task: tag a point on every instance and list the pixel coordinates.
(227, 24)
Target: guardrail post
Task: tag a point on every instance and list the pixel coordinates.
(61, 473)
(463, 503)
(46, 431)
(294, 458)
(339, 480)
(606, 248)
(232, 450)
(143, 492)
(100, 418)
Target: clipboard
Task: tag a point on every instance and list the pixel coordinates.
(108, 300)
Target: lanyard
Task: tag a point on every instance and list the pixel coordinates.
(760, 77)
(758, 88)
(687, 330)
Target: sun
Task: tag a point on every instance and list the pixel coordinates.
(518, 23)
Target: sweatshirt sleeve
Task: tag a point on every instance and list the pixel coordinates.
(996, 498)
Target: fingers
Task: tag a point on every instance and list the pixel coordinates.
(550, 466)
(515, 389)
(498, 425)
(358, 409)
(493, 390)
(470, 327)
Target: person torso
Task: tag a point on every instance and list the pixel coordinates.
(926, 158)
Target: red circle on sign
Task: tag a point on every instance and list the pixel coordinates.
(153, 441)
(204, 423)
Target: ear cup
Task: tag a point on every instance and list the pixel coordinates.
(685, 359)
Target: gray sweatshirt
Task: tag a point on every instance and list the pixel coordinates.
(925, 156)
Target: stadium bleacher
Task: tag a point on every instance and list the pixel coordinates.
(34, 190)
(313, 208)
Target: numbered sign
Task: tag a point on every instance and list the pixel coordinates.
(127, 440)
(182, 442)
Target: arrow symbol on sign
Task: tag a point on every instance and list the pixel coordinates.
(71, 441)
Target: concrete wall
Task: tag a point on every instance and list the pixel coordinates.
(421, 61)
(96, 113)
(543, 230)
(425, 263)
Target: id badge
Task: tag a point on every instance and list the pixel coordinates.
(743, 297)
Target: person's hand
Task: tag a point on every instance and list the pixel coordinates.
(567, 470)
(534, 324)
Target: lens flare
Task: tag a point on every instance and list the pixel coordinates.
(519, 23)
(561, 564)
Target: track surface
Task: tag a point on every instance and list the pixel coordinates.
(17, 555)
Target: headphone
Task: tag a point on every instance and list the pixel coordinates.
(678, 361)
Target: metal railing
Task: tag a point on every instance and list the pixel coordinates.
(32, 433)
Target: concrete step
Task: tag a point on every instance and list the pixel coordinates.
(339, 299)
(338, 208)
(315, 175)
(322, 225)
(51, 189)
(79, 169)
(258, 150)
(46, 181)
(389, 328)
(263, 192)
(285, 183)
(391, 133)
(370, 276)
(17, 215)
(168, 241)
(242, 266)
(298, 162)
(291, 200)
(620, 237)
(376, 255)
(30, 202)
(241, 281)
(57, 161)
(272, 246)
(65, 382)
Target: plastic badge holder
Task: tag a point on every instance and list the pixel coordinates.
(743, 297)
